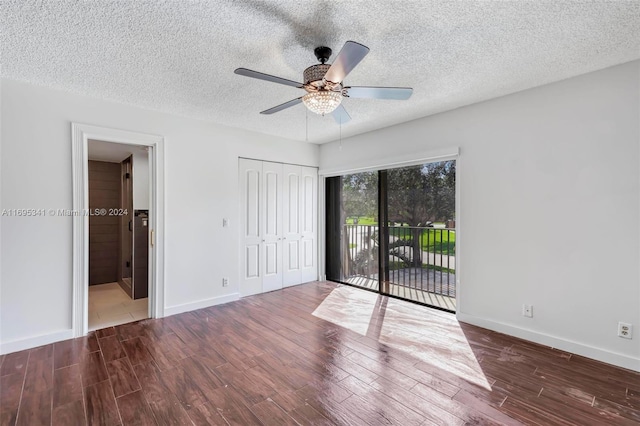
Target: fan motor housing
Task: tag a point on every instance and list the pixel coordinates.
(314, 79)
(314, 74)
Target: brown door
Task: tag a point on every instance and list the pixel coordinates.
(104, 195)
(126, 226)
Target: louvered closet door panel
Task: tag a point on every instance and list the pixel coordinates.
(250, 176)
(308, 223)
(291, 238)
(271, 225)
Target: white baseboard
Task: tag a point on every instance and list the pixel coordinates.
(295, 284)
(34, 342)
(192, 306)
(599, 354)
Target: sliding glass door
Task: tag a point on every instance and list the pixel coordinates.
(352, 229)
(393, 231)
(421, 242)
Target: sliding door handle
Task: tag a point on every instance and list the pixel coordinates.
(130, 227)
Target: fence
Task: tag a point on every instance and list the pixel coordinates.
(421, 258)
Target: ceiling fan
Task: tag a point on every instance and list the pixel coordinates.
(324, 83)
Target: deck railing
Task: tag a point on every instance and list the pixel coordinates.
(421, 258)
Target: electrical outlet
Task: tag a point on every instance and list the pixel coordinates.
(225, 282)
(625, 330)
(527, 311)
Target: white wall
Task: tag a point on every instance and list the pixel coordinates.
(141, 180)
(201, 173)
(550, 207)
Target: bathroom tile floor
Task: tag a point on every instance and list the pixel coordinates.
(109, 305)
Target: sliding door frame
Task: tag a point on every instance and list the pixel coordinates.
(383, 231)
(393, 163)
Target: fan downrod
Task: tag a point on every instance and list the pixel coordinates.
(323, 53)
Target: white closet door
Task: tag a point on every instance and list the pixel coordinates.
(279, 213)
(250, 213)
(308, 224)
(291, 237)
(271, 226)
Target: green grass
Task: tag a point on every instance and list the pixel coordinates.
(363, 220)
(430, 236)
(433, 240)
(439, 241)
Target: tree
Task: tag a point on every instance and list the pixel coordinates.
(422, 194)
(360, 194)
(416, 196)
(359, 198)
(419, 195)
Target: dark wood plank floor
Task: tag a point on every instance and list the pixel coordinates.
(312, 354)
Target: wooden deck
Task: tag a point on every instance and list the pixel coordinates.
(319, 353)
(414, 294)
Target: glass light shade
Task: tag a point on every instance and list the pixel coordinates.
(323, 101)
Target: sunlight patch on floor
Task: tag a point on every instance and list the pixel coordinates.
(352, 310)
(428, 335)
(440, 343)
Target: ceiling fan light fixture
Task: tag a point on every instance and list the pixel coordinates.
(324, 83)
(323, 101)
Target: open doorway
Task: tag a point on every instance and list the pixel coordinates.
(81, 134)
(119, 201)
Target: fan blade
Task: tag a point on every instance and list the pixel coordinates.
(262, 76)
(341, 115)
(350, 56)
(399, 93)
(282, 106)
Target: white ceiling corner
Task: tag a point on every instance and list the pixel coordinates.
(112, 152)
(179, 57)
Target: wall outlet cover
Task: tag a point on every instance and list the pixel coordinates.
(625, 330)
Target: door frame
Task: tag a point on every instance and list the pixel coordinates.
(80, 135)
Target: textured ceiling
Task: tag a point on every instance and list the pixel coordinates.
(178, 56)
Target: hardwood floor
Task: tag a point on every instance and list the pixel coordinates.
(312, 354)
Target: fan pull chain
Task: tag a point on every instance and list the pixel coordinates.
(306, 119)
(340, 132)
